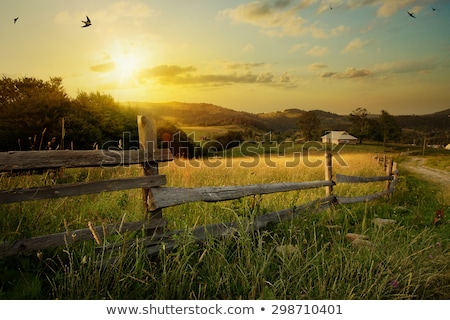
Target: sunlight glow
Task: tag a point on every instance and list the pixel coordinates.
(126, 66)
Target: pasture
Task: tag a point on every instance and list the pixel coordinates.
(306, 258)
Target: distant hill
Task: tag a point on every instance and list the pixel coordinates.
(184, 114)
(199, 114)
(438, 121)
(205, 114)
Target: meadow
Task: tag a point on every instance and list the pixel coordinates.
(306, 258)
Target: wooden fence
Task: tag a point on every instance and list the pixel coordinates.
(156, 197)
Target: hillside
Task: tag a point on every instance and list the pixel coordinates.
(209, 115)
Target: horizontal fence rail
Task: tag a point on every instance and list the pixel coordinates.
(80, 188)
(53, 159)
(166, 197)
(29, 245)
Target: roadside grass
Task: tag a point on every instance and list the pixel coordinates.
(306, 258)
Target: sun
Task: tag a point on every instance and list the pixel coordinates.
(126, 66)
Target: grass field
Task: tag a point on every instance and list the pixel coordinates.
(307, 258)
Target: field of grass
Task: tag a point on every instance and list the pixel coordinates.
(307, 258)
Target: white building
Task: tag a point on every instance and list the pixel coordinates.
(339, 137)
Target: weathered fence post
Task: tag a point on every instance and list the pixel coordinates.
(389, 166)
(328, 172)
(147, 142)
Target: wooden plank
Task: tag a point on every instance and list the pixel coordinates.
(166, 197)
(221, 230)
(340, 178)
(80, 188)
(364, 198)
(51, 159)
(29, 245)
(147, 141)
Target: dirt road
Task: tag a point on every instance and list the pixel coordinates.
(417, 165)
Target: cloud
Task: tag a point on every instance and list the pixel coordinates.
(104, 67)
(177, 75)
(328, 74)
(242, 65)
(385, 8)
(355, 45)
(389, 7)
(383, 70)
(407, 66)
(349, 73)
(297, 47)
(117, 10)
(354, 73)
(317, 66)
(277, 18)
(318, 51)
(164, 71)
(248, 48)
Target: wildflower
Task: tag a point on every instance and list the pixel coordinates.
(394, 284)
(438, 244)
(430, 257)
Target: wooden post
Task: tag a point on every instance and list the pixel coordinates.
(328, 172)
(147, 142)
(389, 165)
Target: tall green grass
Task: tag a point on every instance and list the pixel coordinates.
(306, 258)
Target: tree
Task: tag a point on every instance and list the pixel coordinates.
(389, 127)
(360, 124)
(96, 118)
(31, 109)
(308, 123)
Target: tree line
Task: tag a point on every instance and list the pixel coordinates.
(39, 115)
(383, 128)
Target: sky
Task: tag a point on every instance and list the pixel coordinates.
(253, 56)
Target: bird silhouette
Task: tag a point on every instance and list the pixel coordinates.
(331, 8)
(15, 19)
(87, 23)
(433, 8)
(411, 14)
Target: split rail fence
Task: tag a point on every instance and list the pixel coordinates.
(155, 197)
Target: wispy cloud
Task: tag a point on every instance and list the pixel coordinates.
(407, 66)
(104, 67)
(248, 48)
(349, 73)
(111, 13)
(277, 18)
(383, 70)
(317, 66)
(318, 51)
(297, 47)
(355, 45)
(241, 74)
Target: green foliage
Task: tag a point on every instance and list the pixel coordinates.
(32, 113)
(309, 125)
(31, 108)
(97, 118)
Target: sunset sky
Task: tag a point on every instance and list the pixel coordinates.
(254, 56)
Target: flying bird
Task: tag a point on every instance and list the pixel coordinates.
(433, 8)
(411, 14)
(87, 23)
(15, 19)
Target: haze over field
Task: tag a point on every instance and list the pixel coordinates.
(254, 56)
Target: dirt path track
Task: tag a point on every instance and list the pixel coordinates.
(417, 165)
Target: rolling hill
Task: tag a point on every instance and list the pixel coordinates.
(211, 117)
